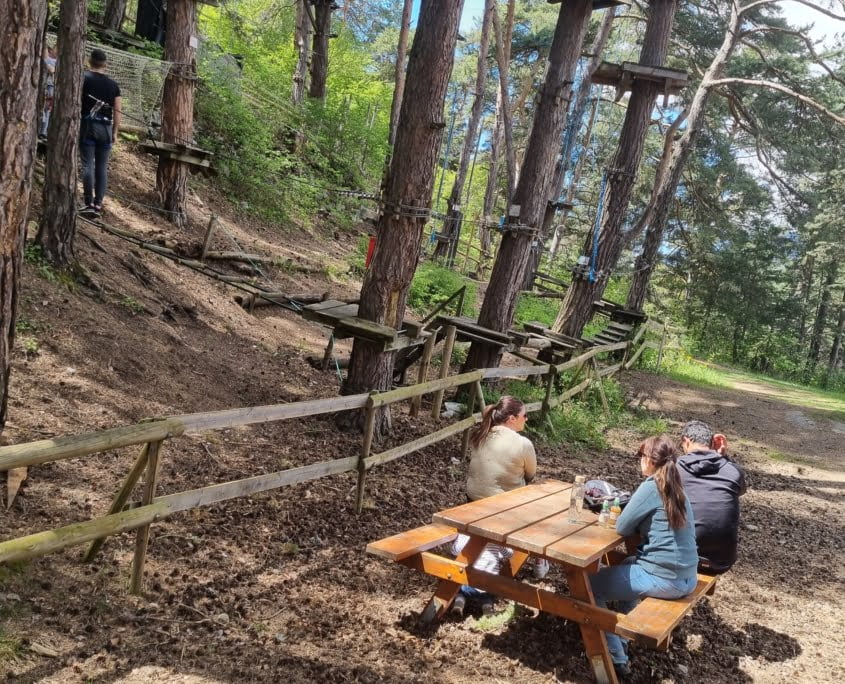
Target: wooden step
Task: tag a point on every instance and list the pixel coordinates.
(406, 544)
(653, 619)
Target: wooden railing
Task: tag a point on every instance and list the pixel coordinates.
(123, 516)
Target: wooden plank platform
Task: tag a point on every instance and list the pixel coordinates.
(405, 544)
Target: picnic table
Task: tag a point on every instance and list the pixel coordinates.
(534, 520)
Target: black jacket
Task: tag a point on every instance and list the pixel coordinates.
(713, 484)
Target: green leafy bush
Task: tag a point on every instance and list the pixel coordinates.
(541, 309)
(434, 284)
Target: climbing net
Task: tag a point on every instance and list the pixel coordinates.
(141, 80)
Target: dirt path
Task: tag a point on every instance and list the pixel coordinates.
(278, 587)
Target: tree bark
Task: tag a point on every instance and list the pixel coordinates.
(407, 195)
(492, 187)
(20, 57)
(150, 20)
(647, 260)
(503, 49)
(576, 114)
(820, 323)
(58, 219)
(320, 48)
(115, 11)
(577, 307)
(177, 106)
(534, 186)
(807, 277)
(836, 347)
(399, 78)
(451, 225)
(301, 34)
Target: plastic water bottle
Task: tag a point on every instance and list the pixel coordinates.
(576, 499)
(605, 513)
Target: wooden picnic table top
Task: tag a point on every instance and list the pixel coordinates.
(534, 518)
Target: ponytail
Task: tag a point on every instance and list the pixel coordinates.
(494, 415)
(662, 454)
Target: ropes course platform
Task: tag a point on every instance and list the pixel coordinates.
(343, 318)
(198, 159)
(622, 77)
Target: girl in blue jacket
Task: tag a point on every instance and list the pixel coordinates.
(666, 560)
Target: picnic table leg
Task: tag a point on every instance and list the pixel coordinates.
(594, 642)
(517, 560)
(446, 590)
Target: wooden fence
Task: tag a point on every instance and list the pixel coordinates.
(123, 516)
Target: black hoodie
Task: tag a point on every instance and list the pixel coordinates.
(713, 484)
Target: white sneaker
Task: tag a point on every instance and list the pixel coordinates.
(458, 604)
(541, 568)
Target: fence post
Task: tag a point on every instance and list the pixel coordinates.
(550, 384)
(597, 377)
(369, 424)
(660, 348)
(468, 431)
(425, 362)
(445, 362)
(209, 233)
(142, 536)
(480, 395)
(459, 307)
(120, 499)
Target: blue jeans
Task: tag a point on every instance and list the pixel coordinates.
(627, 584)
(94, 149)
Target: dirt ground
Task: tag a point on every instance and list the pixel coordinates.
(277, 587)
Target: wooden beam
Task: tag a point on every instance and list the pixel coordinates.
(142, 536)
(422, 375)
(121, 497)
(42, 543)
(369, 427)
(422, 442)
(60, 448)
(445, 362)
(392, 396)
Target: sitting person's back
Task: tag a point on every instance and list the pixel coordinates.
(501, 461)
(713, 483)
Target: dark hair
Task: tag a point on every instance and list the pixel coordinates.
(493, 415)
(662, 453)
(98, 57)
(698, 431)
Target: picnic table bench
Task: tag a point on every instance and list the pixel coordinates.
(533, 520)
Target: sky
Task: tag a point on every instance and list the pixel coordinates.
(796, 13)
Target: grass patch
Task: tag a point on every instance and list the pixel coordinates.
(646, 424)
(541, 309)
(495, 621)
(10, 646)
(434, 284)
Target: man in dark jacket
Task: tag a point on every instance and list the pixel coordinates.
(713, 484)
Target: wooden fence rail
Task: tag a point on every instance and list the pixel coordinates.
(152, 434)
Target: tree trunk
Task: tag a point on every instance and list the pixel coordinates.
(20, 55)
(490, 191)
(452, 223)
(150, 21)
(647, 260)
(577, 306)
(534, 187)
(807, 277)
(503, 61)
(177, 106)
(115, 11)
(301, 34)
(836, 347)
(399, 79)
(320, 48)
(408, 190)
(576, 114)
(820, 322)
(58, 219)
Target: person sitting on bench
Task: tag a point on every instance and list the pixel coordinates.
(713, 484)
(665, 563)
(500, 460)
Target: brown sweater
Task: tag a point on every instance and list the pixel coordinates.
(504, 461)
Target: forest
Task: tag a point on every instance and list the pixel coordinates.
(334, 235)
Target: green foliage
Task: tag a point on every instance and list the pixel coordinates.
(31, 347)
(11, 646)
(34, 256)
(132, 305)
(540, 309)
(433, 284)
